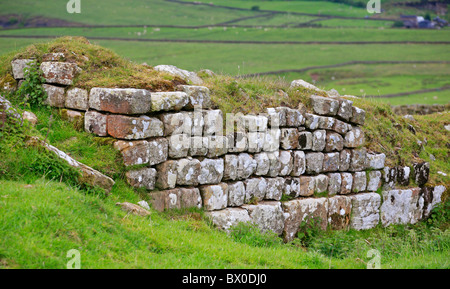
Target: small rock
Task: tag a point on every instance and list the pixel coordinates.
(133, 209)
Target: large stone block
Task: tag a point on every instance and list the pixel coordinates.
(190, 198)
(292, 187)
(213, 122)
(307, 186)
(18, 67)
(334, 183)
(268, 216)
(272, 140)
(432, 196)
(157, 151)
(56, 96)
(354, 138)
(188, 171)
(289, 138)
(374, 182)
(236, 194)
(341, 127)
(179, 145)
(314, 163)
(274, 164)
(199, 146)
(358, 162)
(403, 176)
(304, 211)
(77, 98)
(345, 157)
(421, 173)
(286, 163)
(256, 141)
(299, 163)
(326, 122)
(95, 122)
(211, 171)
(375, 161)
(168, 101)
(358, 115)
(59, 72)
(120, 100)
(274, 188)
(331, 162)
(142, 178)
(345, 109)
(324, 105)
(334, 142)
(165, 200)
(321, 185)
(262, 164)
(231, 163)
(246, 166)
(305, 140)
(238, 142)
(339, 212)
(217, 146)
(311, 121)
(365, 211)
(255, 189)
(130, 128)
(176, 123)
(198, 96)
(227, 218)
(319, 140)
(401, 207)
(166, 175)
(359, 182)
(294, 118)
(277, 117)
(346, 183)
(214, 197)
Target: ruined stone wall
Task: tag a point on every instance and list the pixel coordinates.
(278, 169)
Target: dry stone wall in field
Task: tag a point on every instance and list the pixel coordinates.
(279, 169)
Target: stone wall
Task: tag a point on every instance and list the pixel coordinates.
(420, 108)
(277, 169)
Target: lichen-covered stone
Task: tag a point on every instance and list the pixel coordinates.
(374, 182)
(165, 200)
(354, 138)
(213, 120)
(289, 138)
(59, 72)
(95, 122)
(272, 140)
(227, 218)
(188, 76)
(133, 209)
(358, 115)
(166, 173)
(334, 142)
(375, 161)
(365, 211)
(231, 163)
(331, 162)
(314, 163)
(334, 183)
(236, 194)
(277, 117)
(318, 140)
(291, 187)
(339, 212)
(256, 141)
(168, 101)
(199, 146)
(358, 162)
(299, 163)
(238, 142)
(274, 188)
(359, 182)
(389, 178)
(294, 118)
(56, 96)
(307, 186)
(403, 175)
(312, 121)
(142, 178)
(305, 140)
(214, 197)
(286, 163)
(188, 171)
(401, 207)
(345, 109)
(303, 211)
(341, 127)
(268, 216)
(190, 198)
(255, 189)
(77, 98)
(345, 157)
(211, 171)
(157, 151)
(274, 164)
(321, 185)
(198, 96)
(179, 146)
(18, 67)
(246, 166)
(120, 100)
(262, 164)
(432, 196)
(421, 173)
(126, 127)
(176, 123)
(217, 146)
(324, 105)
(346, 183)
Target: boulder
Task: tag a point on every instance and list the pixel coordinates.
(256, 141)
(294, 118)
(389, 178)
(30, 117)
(217, 146)
(303, 84)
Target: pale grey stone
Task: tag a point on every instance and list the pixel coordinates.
(358, 115)
(199, 146)
(188, 76)
(274, 188)
(168, 101)
(142, 178)
(231, 163)
(331, 162)
(77, 98)
(299, 163)
(188, 171)
(227, 218)
(56, 97)
(262, 164)
(345, 157)
(255, 189)
(120, 100)
(246, 166)
(272, 140)
(294, 118)
(59, 72)
(18, 67)
(374, 182)
(95, 123)
(292, 187)
(236, 194)
(211, 171)
(375, 161)
(214, 197)
(358, 162)
(334, 142)
(334, 183)
(345, 109)
(312, 121)
(365, 211)
(321, 183)
(179, 146)
(256, 141)
(286, 163)
(166, 175)
(198, 96)
(401, 207)
(319, 140)
(268, 216)
(314, 163)
(213, 120)
(274, 164)
(324, 105)
(359, 182)
(218, 146)
(354, 138)
(346, 183)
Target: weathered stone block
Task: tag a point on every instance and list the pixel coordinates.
(403, 175)
(142, 178)
(365, 211)
(77, 98)
(339, 212)
(294, 118)
(272, 140)
(218, 146)
(168, 101)
(334, 183)
(227, 218)
(292, 187)
(358, 162)
(359, 182)
(331, 162)
(305, 140)
(188, 171)
(326, 122)
(176, 123)
(190, 198)
(401, 207)
(321, 185)
(256, 141)
(213, 122)
(374, 182)
(334, 142)
(286, 163)
(238, 142)
(157, 151)
(389, 177)
(319, 140)
(314, 163)
(346, 183)
(341, 127)
(126, 127)
(312, 121)
(255, 189)
(307, 186)
(231, 163)
(179, 145)
(18, 67)
(274, 188)
(262, 164)
(199, 146)
(345, 158)
(375, 161)
(246, 166)
(236, 194)
(59, 72)
(358, 115)
(354, 138)
(345, 109)
(268, 216)
(198, 96)
(277, 117)
(299, 163)
(95, 122)
(432, 196)
(165, 200)
(56, 96)
(120, 100)
(166, 175)
(303, 211)
(324, 105)
(211, 171)
(252, 123)
(274, 164)
(289, 138)
(421, 173)
(214, 197)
